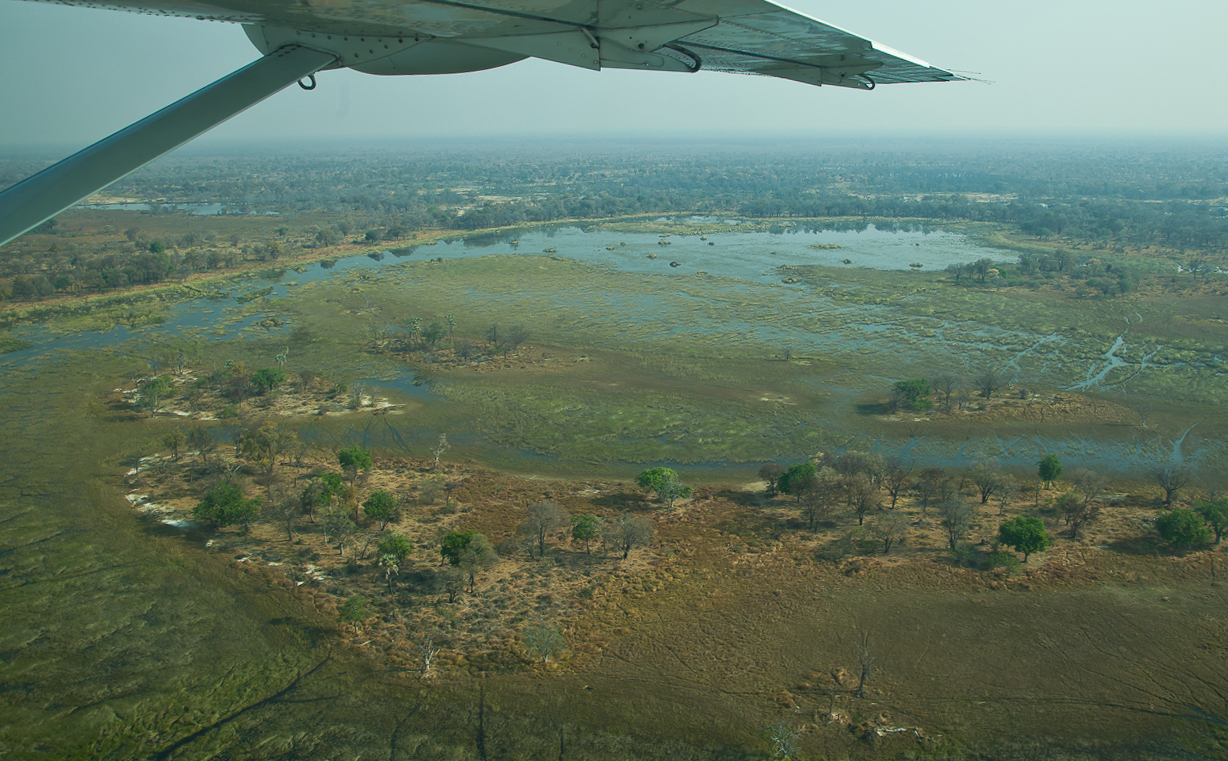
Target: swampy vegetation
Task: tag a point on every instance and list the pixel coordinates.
(914, 331)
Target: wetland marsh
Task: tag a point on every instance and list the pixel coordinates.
(126, 637)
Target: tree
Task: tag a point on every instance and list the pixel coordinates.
(989, 383)
(585, 528)
(1182, 528)
(268, 379)
(629, 532)
(1049, 469)
(391, 566)
(152, 393)
(354, 459)
(544, 518)
(1171, 478)
(862, 497)
(890, 529)
(381, 507)
(514, 336)
(912, 394)
(945, 385)
(1076, 511)
(283, 510)
(988, 478)
(469, 551)
(1024, 534)
(770, 473)
(450, 581)
(928, 484)
(174, 440)
(666, 484)
(396, 545)
(339, 527)
(201, 439)
(262, 446)
(1216, 516)
(895, 478)
(224, 505)
(819, 496)
(955, 516)
(1089, 484)
(440, 447)
(353, 610)
(544, 639)
(794, 480)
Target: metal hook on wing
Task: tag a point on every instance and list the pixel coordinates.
(696, 60)
(312, 79)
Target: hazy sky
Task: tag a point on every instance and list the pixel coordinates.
(72, 75)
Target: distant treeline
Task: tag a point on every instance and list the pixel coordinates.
(1111, 197)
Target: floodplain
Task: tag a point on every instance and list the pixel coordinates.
(130, 637)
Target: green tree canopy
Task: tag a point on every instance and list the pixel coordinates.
(224, 505)
(912, 394)
(797, 478)
(1182, 528)
(354, 459)
(665, 482)
(454, 543)
(1024, 534)
(353, 610)
(1216, 516)
(585, 528)
(381, 506)
(469, 551)
(396, 545)
(268, 379)
(1049, 468)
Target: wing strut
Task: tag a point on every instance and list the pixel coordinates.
(36, 199)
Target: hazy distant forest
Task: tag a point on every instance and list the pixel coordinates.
(1166, 198)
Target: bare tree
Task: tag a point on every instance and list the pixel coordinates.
(862, 497)
(896, 478)
(1006, 492)
(890, 529)
(819, 497)
(544, 518)
(513, 337)
(987, 476)
(770, 473)
(1076, 511)
(450, 581)
(427, 650)
(928, 485)
(956, 517)
(989, 382)
(282, 509)
(629, 532)
(945, 385)
(1089, 484)
(440, 448)
(1171, 478)
(866, 666)
(783, 738)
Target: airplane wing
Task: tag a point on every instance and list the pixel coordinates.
(406, 37)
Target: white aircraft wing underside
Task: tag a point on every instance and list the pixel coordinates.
(397, 37)
(737, 36)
